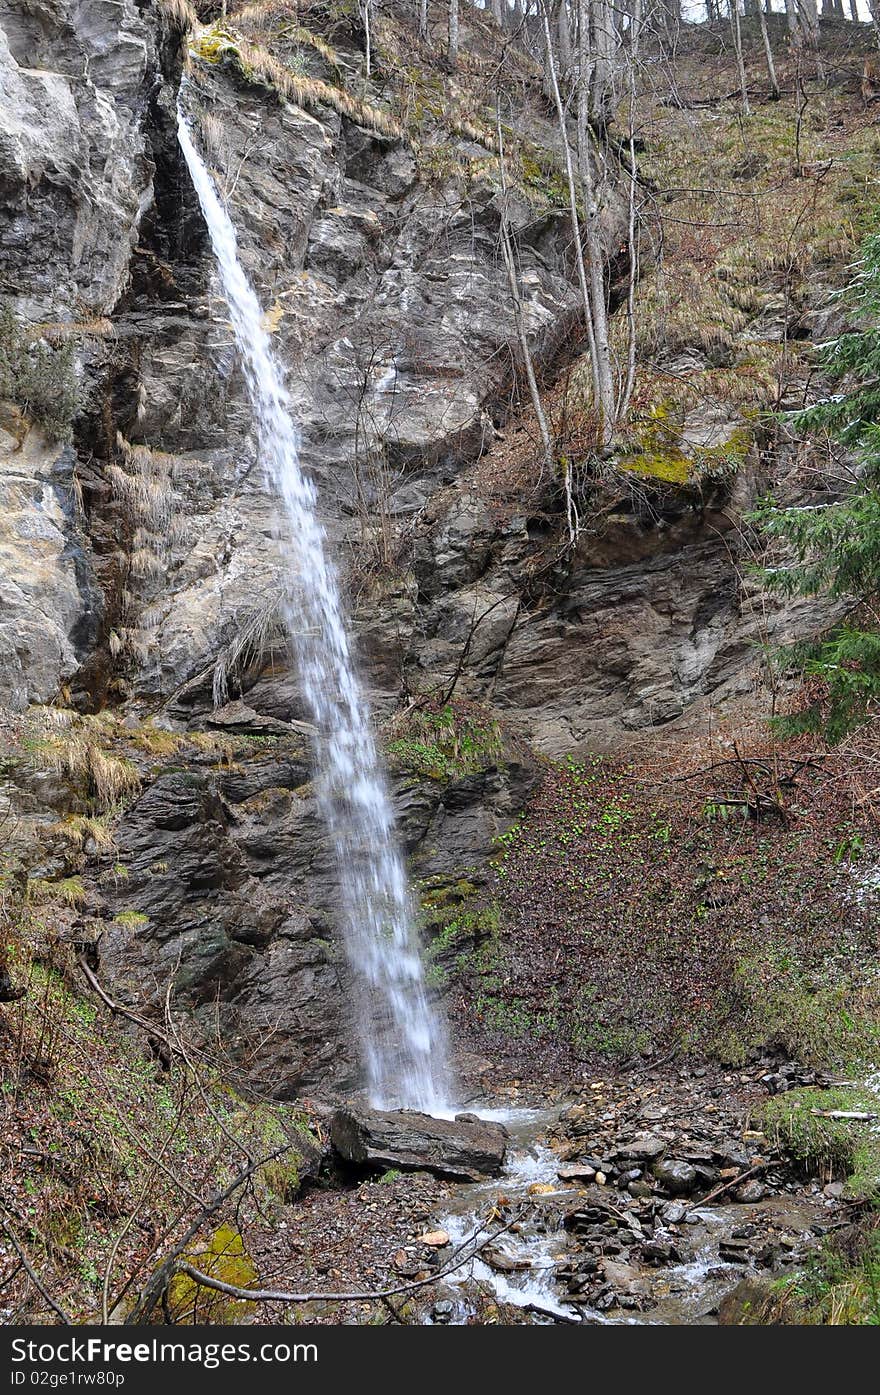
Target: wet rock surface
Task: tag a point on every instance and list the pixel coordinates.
(465, 1148)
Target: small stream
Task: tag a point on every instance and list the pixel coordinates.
(528, 1265)
(530, 1161)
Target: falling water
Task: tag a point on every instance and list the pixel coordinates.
(402, 1040)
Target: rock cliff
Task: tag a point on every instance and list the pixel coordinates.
(140, 570)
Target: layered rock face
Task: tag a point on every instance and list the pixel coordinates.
(75, 180)
(140, 564)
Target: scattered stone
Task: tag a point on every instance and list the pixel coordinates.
(674, 1212)
(541, 1189)
(601, 1178)
(752, 1190)
(404, 1138)
(579, 1172)
(660, 1250)
(503, 1262)
(676, 1176)
(640, 1190)
(436, 1239)
(646, 1148)
(734, 1251)
(626, 1277)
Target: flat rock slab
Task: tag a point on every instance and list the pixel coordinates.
(463, 1149)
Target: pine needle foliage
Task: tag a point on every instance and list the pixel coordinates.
(833, 549)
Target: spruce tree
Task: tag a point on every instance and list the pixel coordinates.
(833, 549)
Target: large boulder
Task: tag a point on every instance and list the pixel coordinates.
(465, 1148)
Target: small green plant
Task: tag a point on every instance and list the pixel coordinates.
(849, 849)
(825, 1019)
(131, 920)
(445, 743)
(38, 377)
(833, 549)
(840, 1284)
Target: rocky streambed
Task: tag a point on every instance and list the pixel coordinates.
(643, 1198)
(655, 1227)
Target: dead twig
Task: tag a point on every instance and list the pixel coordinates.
(149, 1027)
(32, 1274)
(733, 1182)
(255, 1295)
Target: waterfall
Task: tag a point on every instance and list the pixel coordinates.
(402, 1039)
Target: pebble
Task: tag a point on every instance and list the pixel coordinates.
(640, 1189)
(674, 1212)
(435, 1239)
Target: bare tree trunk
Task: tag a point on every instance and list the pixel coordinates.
(736, 29)
(809, 18)
(601, 25)
(572, 205)
(602, 350)
(563, 31)
(423, 21)
(625, 395)
(367, 36)
(792, 19)
(498, 8)
(671, 12)
(519, 318)
(635, 24)
(768, 54)
(452, 46)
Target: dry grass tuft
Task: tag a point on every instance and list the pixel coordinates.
(77, 751)
(78, 829)
(180, 14)
(258, 65)
(258, 630)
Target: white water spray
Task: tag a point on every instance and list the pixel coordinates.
(402, 1039)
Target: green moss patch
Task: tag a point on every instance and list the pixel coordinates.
(222, 1257)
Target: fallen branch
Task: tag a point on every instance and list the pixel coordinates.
(733, 1182)
(121, 1011)
(860, 1114)
(33, 1275)
(162, 1274)
(269, 1295)
(552, 1313)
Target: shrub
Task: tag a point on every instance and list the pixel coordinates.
(39, 378)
